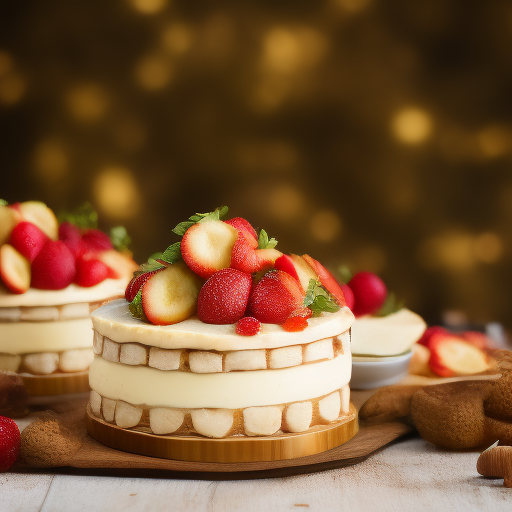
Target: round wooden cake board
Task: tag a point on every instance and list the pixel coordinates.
(49, 386)
(233, 449)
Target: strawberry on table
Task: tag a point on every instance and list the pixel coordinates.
(223, 298)
(9, 443)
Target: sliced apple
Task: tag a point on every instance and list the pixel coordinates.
(327, 279)
(206, 246)
(9, 218)
(119, 264)
(304, 270)
(451, 356)
(170, 296)
(14, 269)
(39, 214)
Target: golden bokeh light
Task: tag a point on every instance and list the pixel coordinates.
(177, 38)
(12, 88)
(51, 160)
(87, 102)
(285, 202)
(116, 193)
(412, 125)
(153, 72)
(370, 258)
(354, 5)
(149, 6)
(488, 247)
(325, 225)
(495, 140)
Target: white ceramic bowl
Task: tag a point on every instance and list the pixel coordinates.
(373, 372)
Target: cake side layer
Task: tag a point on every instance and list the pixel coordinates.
(70, 295)
(114, 321)
(156, 388)
(33, 337)
(386, 336)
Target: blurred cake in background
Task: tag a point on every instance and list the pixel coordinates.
(52, 277)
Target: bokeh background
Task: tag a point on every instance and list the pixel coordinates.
(371, 133)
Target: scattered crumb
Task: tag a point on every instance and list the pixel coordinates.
(301, 505)
(135, 494)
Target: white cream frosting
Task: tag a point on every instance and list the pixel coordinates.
(30, 337)
(141, 385)
(114, 321)
(386, 336)
(70, 295)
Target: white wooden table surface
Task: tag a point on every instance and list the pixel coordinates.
(409, 475)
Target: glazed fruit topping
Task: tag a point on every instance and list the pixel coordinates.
(50, 257)
(248, 281)
(248, 326)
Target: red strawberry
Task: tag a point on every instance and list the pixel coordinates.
(9, 443)
(242, 225)
(90, 272)
(248, 326)
(427, 335)
(243, 255)
(327, 279)
(349, 296)
(54, 267)
(95, 240)
(71, 236)
(27, 239)
(295, 324)
(136, 283)
(369, 291)
(276, 296)
(478, 339)
(223, 298)
(285, 263)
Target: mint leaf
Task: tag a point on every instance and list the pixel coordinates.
(172, 254)
(3, 202)
(83, 217)
(318, 299)
(217, 214)
(120, 238)
(135, 306)
(151, 265)
(391, 305)
(264, 242)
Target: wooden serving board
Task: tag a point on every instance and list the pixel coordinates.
(59, 439)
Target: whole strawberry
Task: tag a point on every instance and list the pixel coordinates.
(71, 236)
(28, 240)
(90, 272)
(276, 296)
(223, 298)
(95, 240)
(54, 267)
(369, 291)
(9, 443)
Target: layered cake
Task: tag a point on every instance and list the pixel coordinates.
(52, 277)
(223, 336)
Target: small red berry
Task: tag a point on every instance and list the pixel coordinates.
(9, 443)
(248, 326)
(295, 324)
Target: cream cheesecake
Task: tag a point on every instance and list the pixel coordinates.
(223, 336)
(193, 377)
(52, 276)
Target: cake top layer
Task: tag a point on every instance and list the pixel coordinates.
(386, 336)
(114, 321)
(72, 294)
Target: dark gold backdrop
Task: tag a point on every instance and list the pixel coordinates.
(376, 133)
